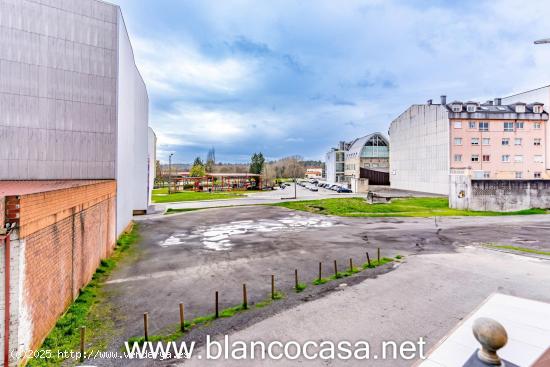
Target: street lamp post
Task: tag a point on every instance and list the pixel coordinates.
(170, 173)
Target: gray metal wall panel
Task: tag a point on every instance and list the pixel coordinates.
(419, 150)
(57, 89)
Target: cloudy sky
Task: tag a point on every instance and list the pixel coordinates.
(295, 77)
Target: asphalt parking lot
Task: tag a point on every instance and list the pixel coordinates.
(187, 257)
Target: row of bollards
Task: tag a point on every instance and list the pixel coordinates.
(216, 299)
(245, 296)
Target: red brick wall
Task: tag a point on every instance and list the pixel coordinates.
(60, 258)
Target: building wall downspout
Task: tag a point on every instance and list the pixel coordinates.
(6, 240)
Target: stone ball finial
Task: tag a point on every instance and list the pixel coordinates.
(492, 336)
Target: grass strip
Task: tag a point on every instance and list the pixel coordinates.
(201, 320)
(376, 263)
(300, 287)
(520, 249)
(162, 196)
(406, 207)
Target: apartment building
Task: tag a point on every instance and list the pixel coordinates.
(541, 94)
(496, 141)
(487, 140)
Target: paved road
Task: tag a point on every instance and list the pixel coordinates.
(186, 257)
(253, 198)
(426, 297)
(275, 196)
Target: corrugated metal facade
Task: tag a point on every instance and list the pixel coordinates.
(57, 90)
(72, 102)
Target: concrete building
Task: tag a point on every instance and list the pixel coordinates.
(344, 163)
(487, 141)
(370, 152)
(334, 164)
(542, 95)
(72, 102)
(73, 115)
(314, 172)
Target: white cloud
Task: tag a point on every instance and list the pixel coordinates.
(169, 67)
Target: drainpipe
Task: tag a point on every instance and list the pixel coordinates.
(6, 239)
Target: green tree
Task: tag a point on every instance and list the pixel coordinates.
(198, 169)
(210, 160)
(257, 163)
(256, 166)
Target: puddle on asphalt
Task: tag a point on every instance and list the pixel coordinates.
(218, 237)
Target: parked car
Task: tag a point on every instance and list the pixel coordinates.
(343, 189)
(334, 187)
(312, 188)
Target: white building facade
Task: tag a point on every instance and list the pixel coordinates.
(152, 162)
(334, 165)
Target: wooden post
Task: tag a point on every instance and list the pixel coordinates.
(335, 269)
(296, 279)
(320, 271)
(146, 326)
(378, 255)
(82, 338)
(217, 308)
(182, 318)
(272, 286)
(350, 265)
(368, 259)
(245, 300)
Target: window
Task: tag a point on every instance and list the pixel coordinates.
(520, 108)
(475, 158)
(486, 141)
(457, 108)
(483, 126)
(458, 124)
(506, 158)
(518, 158)
(538, 159)
(537, 125)
(458, 141)
(458, 157)
(505, 141)
(486, 158)
(472, 125)
(536, 175)
(519, 125)
(508, 126)
(517, 141)
(537, 108)
(475, 141)
(486, 174)
(471, 108)
(537, 141)
(519, 174)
